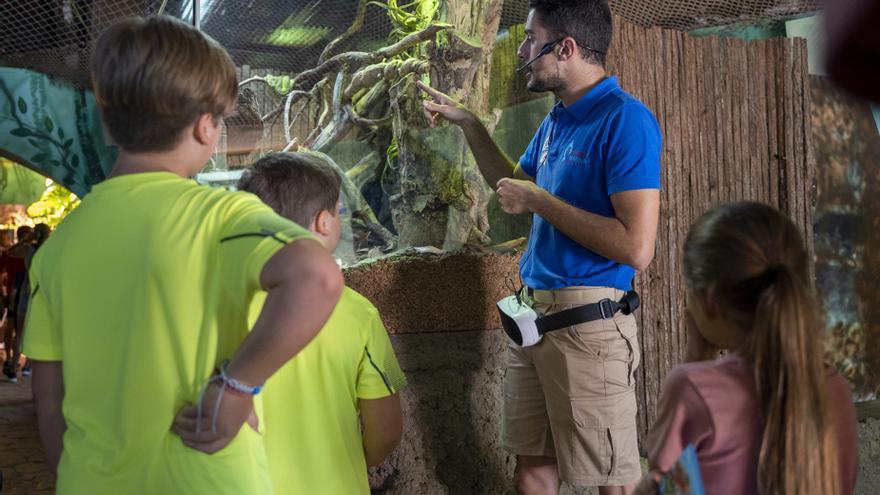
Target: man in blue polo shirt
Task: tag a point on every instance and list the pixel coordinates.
(591, 179)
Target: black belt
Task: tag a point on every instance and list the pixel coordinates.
(602, 310)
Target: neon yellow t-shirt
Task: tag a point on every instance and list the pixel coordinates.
(310, 406)
(140, 292)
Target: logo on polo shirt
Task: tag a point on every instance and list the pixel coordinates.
(572, 156)
(545, 150)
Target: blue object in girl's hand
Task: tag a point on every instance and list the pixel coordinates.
(683, 478)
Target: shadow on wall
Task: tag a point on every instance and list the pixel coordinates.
(440, 312)
(460, 422)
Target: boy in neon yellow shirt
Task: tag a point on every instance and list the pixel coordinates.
(313, 404)
(145, 288)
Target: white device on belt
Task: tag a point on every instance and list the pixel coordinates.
(519, 321)
(525, 328)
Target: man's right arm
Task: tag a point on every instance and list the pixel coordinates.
(493, 163)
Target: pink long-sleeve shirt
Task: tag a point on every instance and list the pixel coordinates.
(714, 405)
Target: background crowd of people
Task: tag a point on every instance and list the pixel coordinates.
(17, 249)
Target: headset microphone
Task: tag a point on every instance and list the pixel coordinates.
(544, 51)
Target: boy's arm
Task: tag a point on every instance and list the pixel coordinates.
(383, 427)
(47, 385)
(303, 284)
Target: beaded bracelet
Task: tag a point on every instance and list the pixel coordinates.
(236, 386)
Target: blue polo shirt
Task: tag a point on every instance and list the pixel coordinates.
(604, 143)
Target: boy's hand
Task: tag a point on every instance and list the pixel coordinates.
(443, 106)
(235, 410)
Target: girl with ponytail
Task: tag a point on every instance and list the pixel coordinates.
(770, 417)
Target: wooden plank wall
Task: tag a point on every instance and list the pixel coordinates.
(735, 122)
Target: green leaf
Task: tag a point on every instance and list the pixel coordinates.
(60, 132)
(22, 106)
(50, 126)
(68, 143)
(21, 132)
(39, 157)
(75, 161)
(34, 143)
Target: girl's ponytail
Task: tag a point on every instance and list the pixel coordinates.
(798, 449)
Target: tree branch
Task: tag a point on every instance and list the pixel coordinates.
(304, 80)
(412, 39)
(355, 27)
(357, 119)
(288, 102)
(253, 79)
(371, 74)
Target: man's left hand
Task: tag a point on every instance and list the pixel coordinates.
(518, 196)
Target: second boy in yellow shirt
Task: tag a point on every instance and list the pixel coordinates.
(313, 404)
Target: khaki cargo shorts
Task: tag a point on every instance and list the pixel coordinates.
(572, 395)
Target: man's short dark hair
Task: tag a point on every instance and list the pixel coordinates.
(587, 21)
(297, 186)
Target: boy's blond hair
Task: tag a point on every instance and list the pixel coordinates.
(154, 76)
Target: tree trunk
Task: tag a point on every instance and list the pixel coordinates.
(441, 197)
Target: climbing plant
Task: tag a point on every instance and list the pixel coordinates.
(55, 204)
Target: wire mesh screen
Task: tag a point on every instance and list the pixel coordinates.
(55, 36)
(686, 15)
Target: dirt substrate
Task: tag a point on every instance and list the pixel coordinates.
(425, 292)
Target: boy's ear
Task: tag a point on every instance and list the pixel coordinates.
(205, 128)
(322, 222)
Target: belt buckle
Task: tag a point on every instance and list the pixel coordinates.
(605, 309)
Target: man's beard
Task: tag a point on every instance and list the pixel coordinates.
(549, 83)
